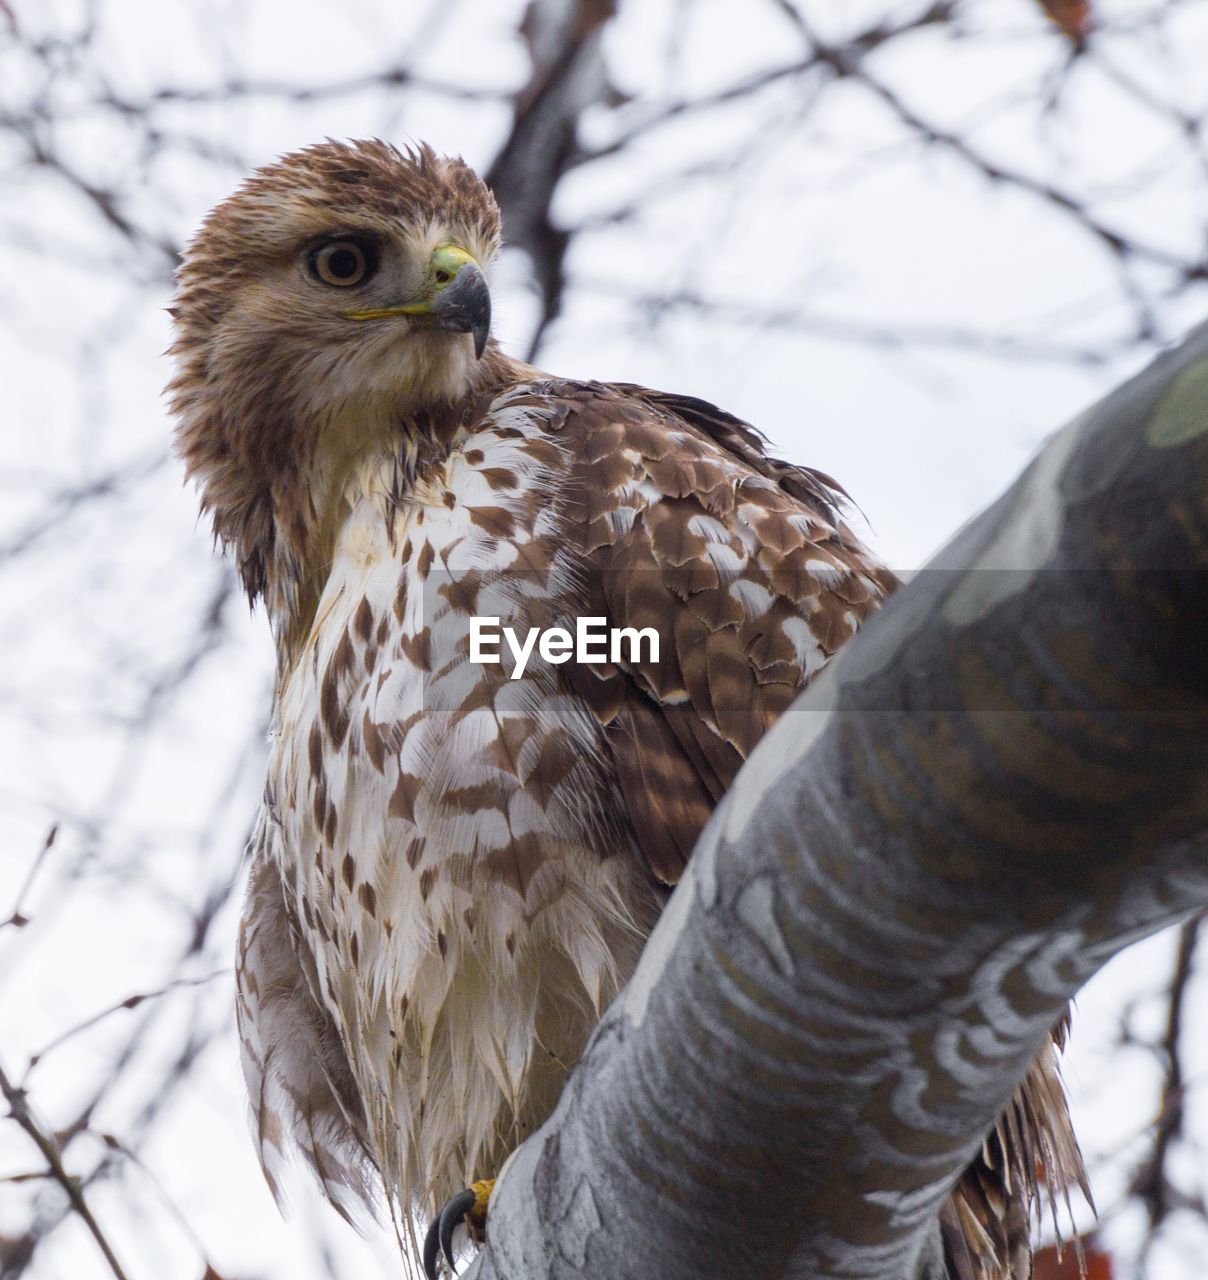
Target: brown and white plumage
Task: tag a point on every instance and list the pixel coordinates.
(455, 872)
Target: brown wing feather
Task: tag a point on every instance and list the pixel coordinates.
(744, 566)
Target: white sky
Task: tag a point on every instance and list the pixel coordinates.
(832, 210)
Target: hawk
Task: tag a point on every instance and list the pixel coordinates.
(454, 871)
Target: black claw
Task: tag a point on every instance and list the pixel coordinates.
(453, 1215)
(431, 1246)
(440, 1232)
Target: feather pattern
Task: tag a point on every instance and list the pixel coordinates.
(454, 872)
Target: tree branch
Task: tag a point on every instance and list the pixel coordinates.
(49, 1147)
(1000, 784)
(568, 77)
(1152, 1181)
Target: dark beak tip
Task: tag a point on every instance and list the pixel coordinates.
(481, 332)
(465, 306)
(478, 309)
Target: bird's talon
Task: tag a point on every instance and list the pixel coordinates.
(469, 1207)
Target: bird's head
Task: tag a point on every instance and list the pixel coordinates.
(349, 268)
(336, 295)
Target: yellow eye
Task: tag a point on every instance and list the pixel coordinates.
(342, 263)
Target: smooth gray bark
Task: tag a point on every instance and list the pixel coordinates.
(1001, 783)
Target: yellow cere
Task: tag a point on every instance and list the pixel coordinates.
(447, 261)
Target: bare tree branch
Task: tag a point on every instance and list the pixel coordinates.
(17, 917)
(48, 1145)
(568, 77)
(1000, 784)
(1152, 1181)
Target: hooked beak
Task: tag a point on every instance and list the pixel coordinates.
(456, 298)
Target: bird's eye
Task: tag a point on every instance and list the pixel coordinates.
(342, 263)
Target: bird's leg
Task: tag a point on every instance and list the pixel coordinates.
(468, 1207)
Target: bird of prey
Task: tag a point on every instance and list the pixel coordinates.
(454, 871)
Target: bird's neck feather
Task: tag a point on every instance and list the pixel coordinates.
(295, 495)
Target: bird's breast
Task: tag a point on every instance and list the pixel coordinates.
(451, 838)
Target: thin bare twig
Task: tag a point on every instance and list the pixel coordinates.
(46, 1143)
(1151, 1183)
(130, 1002)
(18, 919)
